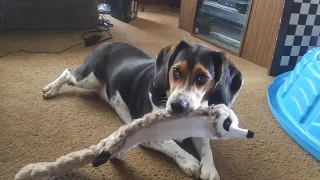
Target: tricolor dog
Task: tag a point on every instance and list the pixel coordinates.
(182, 78)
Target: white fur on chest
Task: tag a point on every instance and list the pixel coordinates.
(117, 103)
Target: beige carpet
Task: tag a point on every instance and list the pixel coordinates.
(33, 129)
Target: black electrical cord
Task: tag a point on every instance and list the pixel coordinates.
(57, 52)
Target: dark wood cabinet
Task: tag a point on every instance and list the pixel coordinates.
(187, 14)
(260, 29)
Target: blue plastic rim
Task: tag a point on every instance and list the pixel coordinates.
(294, 100)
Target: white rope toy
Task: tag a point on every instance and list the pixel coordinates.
(214, 122)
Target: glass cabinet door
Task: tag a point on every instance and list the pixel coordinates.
(222, 22)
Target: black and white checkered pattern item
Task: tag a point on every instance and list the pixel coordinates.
(303, 31)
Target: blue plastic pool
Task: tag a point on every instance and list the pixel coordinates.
(294, 100)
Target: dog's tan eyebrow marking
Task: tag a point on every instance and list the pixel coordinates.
(200, 69)
(182, 66)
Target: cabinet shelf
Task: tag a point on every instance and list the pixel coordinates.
(223, 12)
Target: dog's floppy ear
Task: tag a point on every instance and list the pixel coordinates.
(228, 81)
(164, 62)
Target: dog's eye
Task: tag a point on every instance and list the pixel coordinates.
(176, 74)
(201, 80)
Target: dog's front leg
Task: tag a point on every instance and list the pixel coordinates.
(208, 169)
(189, 164)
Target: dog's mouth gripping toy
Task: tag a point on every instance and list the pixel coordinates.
(213, 122)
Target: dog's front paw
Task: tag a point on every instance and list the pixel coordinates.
(209, 171)
(190, 166)
(50, 90)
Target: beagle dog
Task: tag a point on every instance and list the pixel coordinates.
(183, 77)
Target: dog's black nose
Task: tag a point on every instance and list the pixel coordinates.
(179, 106)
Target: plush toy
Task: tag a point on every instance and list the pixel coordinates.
(214, 122)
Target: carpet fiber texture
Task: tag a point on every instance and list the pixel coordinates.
(33, 129)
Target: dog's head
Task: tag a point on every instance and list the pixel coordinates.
(192, 74)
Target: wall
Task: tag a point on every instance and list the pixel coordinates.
(299, 32)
